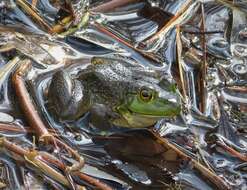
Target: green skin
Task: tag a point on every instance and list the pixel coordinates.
(115, 92)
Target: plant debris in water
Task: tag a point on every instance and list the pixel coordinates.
(123, 94)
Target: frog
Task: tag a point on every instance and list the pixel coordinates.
(115, 93)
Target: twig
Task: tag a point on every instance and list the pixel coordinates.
(12, 147)
(33, 157)
(104, 30)
(179, 55)
(171, 22)
(29, 9)
(232, 151)
(10, 127)
(231, 5)
(215, 179)
(242, 89)
(108, 6)
(6, 127)
(33, 117)
(205, 32)
(203, 70)
(26, 102)
(82, 176)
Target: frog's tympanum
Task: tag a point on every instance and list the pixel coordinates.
(115, 91)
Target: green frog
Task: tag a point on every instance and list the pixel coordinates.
(115, 92)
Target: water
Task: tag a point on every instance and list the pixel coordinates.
(212, 124)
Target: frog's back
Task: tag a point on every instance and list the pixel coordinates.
(108, 81)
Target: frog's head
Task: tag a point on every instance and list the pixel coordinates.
(148, 103)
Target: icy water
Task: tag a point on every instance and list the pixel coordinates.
(199, 45)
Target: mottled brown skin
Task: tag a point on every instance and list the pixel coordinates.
(122, 93)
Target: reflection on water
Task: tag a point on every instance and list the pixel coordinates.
(206, 56)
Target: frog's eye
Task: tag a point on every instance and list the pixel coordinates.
(146, 94)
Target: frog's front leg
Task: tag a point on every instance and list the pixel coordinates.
(102, 116)
(67, 97)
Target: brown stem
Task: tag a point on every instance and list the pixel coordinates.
(93, 181)
(10, 127)
(214, 178)
(171, 22)
(6, 127)
(29, 9)
(12, 147)
(201, 32)
(33, 117)
(33, 158)
(232, 151)
(241, 89)
(81, 162)
(26, 102)
(107, 32)
(203, 69)
(108, 6)
(180, 66)
(84, 177)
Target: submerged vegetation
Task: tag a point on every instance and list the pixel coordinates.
(123, 94)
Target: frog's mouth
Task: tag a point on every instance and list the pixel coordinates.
(169, 111)
(141, 120)
(144, 115)
(159, 107)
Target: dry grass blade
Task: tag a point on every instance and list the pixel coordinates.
(179, 57)
(32, 157)
(172, 22)
(84, 177)
(10, 127)
(212, 177)
(29, 10)
(203, 70)
(2, 185)
(58, 28)
(232, 152)
(108, 6)
(242, 89)
(147, 55)
(39, 160)
(6, 127)
(232, 4)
